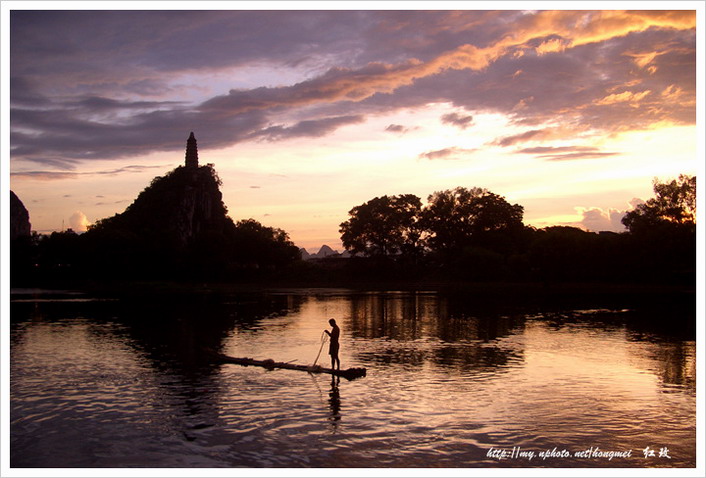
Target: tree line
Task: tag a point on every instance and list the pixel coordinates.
(474, 234)
(460, 234)
(176, 229)
(64, 257)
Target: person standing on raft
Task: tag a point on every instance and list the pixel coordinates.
(333, 345)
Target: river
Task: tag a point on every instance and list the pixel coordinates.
(450, 383)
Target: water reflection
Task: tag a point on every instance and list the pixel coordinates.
(80, 365)
(126, 383)
(420, 328)
(335, 400)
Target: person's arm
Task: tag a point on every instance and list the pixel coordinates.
(329, 333)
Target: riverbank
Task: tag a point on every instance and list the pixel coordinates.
(558, 294)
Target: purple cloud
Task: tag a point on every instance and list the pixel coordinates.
(108, 84)
(562, 153)
(446, 153)
(396, 128)
(308, 128)
(457, 120)
(59, 175)
(531, 135)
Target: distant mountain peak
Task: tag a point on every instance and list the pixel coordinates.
(323, 252)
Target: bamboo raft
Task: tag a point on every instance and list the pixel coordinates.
(349, 374)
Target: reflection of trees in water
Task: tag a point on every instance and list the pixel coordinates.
(415, 328)
(170, 330)
(674, 362)
(168, 335)
(672, 327)
(678, 364)
(175, 331)
(664, 340)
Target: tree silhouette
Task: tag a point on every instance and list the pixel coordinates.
(663, 232)
(459, 218)
(674, 204)
(384, 226)
(258, 246)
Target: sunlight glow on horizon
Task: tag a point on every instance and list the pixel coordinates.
(305, 125)
(317, 183)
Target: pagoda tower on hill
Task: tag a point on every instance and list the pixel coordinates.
(192, 153)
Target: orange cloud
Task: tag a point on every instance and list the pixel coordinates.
(574, 29)
(603, 25)
(550, 46)
(624, 97)
(580, 28)
(674, 94)
(643, 59)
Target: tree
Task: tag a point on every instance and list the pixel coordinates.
(260, 246)
(662, 232)
(384, 226)
(461, 218)
(674, 204)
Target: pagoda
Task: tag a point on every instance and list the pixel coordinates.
(192, 153)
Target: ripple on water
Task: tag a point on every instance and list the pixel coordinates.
(87, 392)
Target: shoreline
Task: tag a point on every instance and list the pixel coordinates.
(487, 290)
(665, 308)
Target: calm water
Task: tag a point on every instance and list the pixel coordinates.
(100, 383)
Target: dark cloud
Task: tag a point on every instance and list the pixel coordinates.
(101, 203)
(308, 128)
(457, 120)
(44, 175)
(396, 128)
(67, 137)
(125, 169)
(59, 175)
(119, 44)
(101, 84)
(532, 135)
(102, 104)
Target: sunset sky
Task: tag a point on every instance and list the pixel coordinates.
(308, 113)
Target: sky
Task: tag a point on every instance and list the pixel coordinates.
(308, 113)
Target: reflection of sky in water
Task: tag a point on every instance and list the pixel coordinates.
(443, 386)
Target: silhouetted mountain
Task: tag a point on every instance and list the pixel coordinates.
(179, 227)
(323, 252)
(19, 218)
(175, 209)
(177, 223)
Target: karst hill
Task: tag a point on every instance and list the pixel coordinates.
(176, 209)
(178, 227)
(19, 218)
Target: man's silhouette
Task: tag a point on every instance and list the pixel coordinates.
(333, 346)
